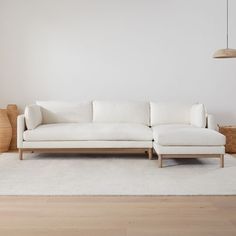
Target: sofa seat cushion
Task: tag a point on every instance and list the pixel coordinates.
(186, 135)
(89, 131)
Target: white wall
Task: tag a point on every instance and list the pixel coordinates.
(117, 49)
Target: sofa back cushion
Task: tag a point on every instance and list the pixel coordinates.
(65, 112)
(198, 115)
(33, 116)
(121, 112)
(169, 113)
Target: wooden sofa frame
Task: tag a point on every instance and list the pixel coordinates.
(149, 152)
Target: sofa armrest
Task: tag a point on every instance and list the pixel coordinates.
(20, 130)
(211, 122)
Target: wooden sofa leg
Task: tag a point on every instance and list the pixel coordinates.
(160, 161)
(150, 153)
(20, 154)
(222, 161)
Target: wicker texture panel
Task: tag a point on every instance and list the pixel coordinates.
(5, 131)
(230, 133)
(12, 113)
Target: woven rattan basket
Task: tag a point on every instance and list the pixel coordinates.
(5, 131)
(230, 133)
(12, 113)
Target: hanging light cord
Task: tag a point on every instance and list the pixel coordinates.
(227, 23)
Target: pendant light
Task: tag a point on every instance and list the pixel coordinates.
(226, 52)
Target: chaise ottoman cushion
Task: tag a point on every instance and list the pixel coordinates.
(89, 132)
(186, 135)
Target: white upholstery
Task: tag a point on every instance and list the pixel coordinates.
(87, 144)
(65, 112)
(170, 113)
(121, 112)
(176, 128)
(188, 150)
(20, 130)
(33, 116)
(186, 135)
(89, 131)
(198, 115)
(211, 122)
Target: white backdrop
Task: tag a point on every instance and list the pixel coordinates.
(117, 49)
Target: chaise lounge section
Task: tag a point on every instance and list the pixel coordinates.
(172, 130)
(182, 131)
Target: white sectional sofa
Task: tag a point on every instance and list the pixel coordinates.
(172, 130)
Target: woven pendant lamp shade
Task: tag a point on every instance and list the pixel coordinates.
(226, 52)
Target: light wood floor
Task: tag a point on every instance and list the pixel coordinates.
(118, 216)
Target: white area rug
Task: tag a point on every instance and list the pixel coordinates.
(71, 174)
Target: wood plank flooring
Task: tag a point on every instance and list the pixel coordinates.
(118, 216)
